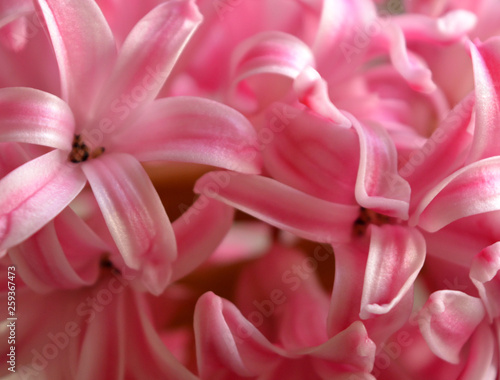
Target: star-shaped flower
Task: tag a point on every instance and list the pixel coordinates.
(105, 123)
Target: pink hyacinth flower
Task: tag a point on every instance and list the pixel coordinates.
(474, 155)
(104, 331)
(65, 253)
(105, 123)
(265, 337)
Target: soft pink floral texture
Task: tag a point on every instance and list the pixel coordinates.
(343, 121)
(96, 81)
(364, 158)
(272, 58)
(229, 346)
(78, 249)
(104, 331)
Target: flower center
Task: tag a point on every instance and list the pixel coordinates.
(81, 152)
(367, 217)
(107, 265)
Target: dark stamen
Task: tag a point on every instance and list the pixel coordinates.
(81, 152)
(367, 217)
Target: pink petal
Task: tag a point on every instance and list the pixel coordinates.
(13, 9)
(405, 138)
(245, 240)
(450, 28)
(135, 216)
(276, 53)
(64, 254)
(229, 346)
(351, 347)
(381, 327)
(397, 103)
(465, 238)
(34, 65)
(312, 90)
(485, 274)
(227, 342)
(308, 307)
(410, 66)
(84, 47)
(339, 22)
(395, 258)
(379, 187)
(282, 206)
(350, 264)
(310, 154)
(43, 315)
(103, 338)
(190, 129)
(91, 327)
(119, 324)
(482, 363)
(485, 60)
(474, 189)
(32, 116)
(34, 193)
(150, 349)
(14, 35)
(148, 55)
(345, 306)
(447, 321)
(123, 19)
(12, 155)
(442, 154)
(210, 221)
(287, 283)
